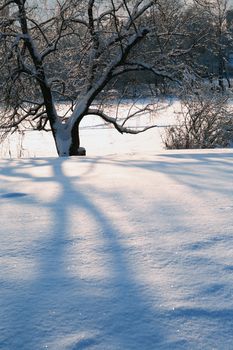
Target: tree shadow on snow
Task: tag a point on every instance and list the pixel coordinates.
(84, 292)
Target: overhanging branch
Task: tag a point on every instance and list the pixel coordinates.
(140, 66)
(122, 129)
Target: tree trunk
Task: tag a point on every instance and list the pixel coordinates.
(67, 141)
(75, 140)
(221, 69)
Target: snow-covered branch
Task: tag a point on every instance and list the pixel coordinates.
(119, 127)
(138, 66)
(138, 11)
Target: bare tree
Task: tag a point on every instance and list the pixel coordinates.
(219, 40)
(75, 53)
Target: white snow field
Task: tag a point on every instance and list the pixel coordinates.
(121, 252)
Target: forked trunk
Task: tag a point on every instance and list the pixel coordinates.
(67, 141)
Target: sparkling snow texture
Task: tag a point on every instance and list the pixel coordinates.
(121, 252)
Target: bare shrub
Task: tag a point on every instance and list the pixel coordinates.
(205, 121)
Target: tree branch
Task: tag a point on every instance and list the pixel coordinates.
(120, 128)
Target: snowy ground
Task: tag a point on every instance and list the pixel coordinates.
(127, 251)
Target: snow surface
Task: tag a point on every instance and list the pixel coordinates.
(129, 248)
(117, 252)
